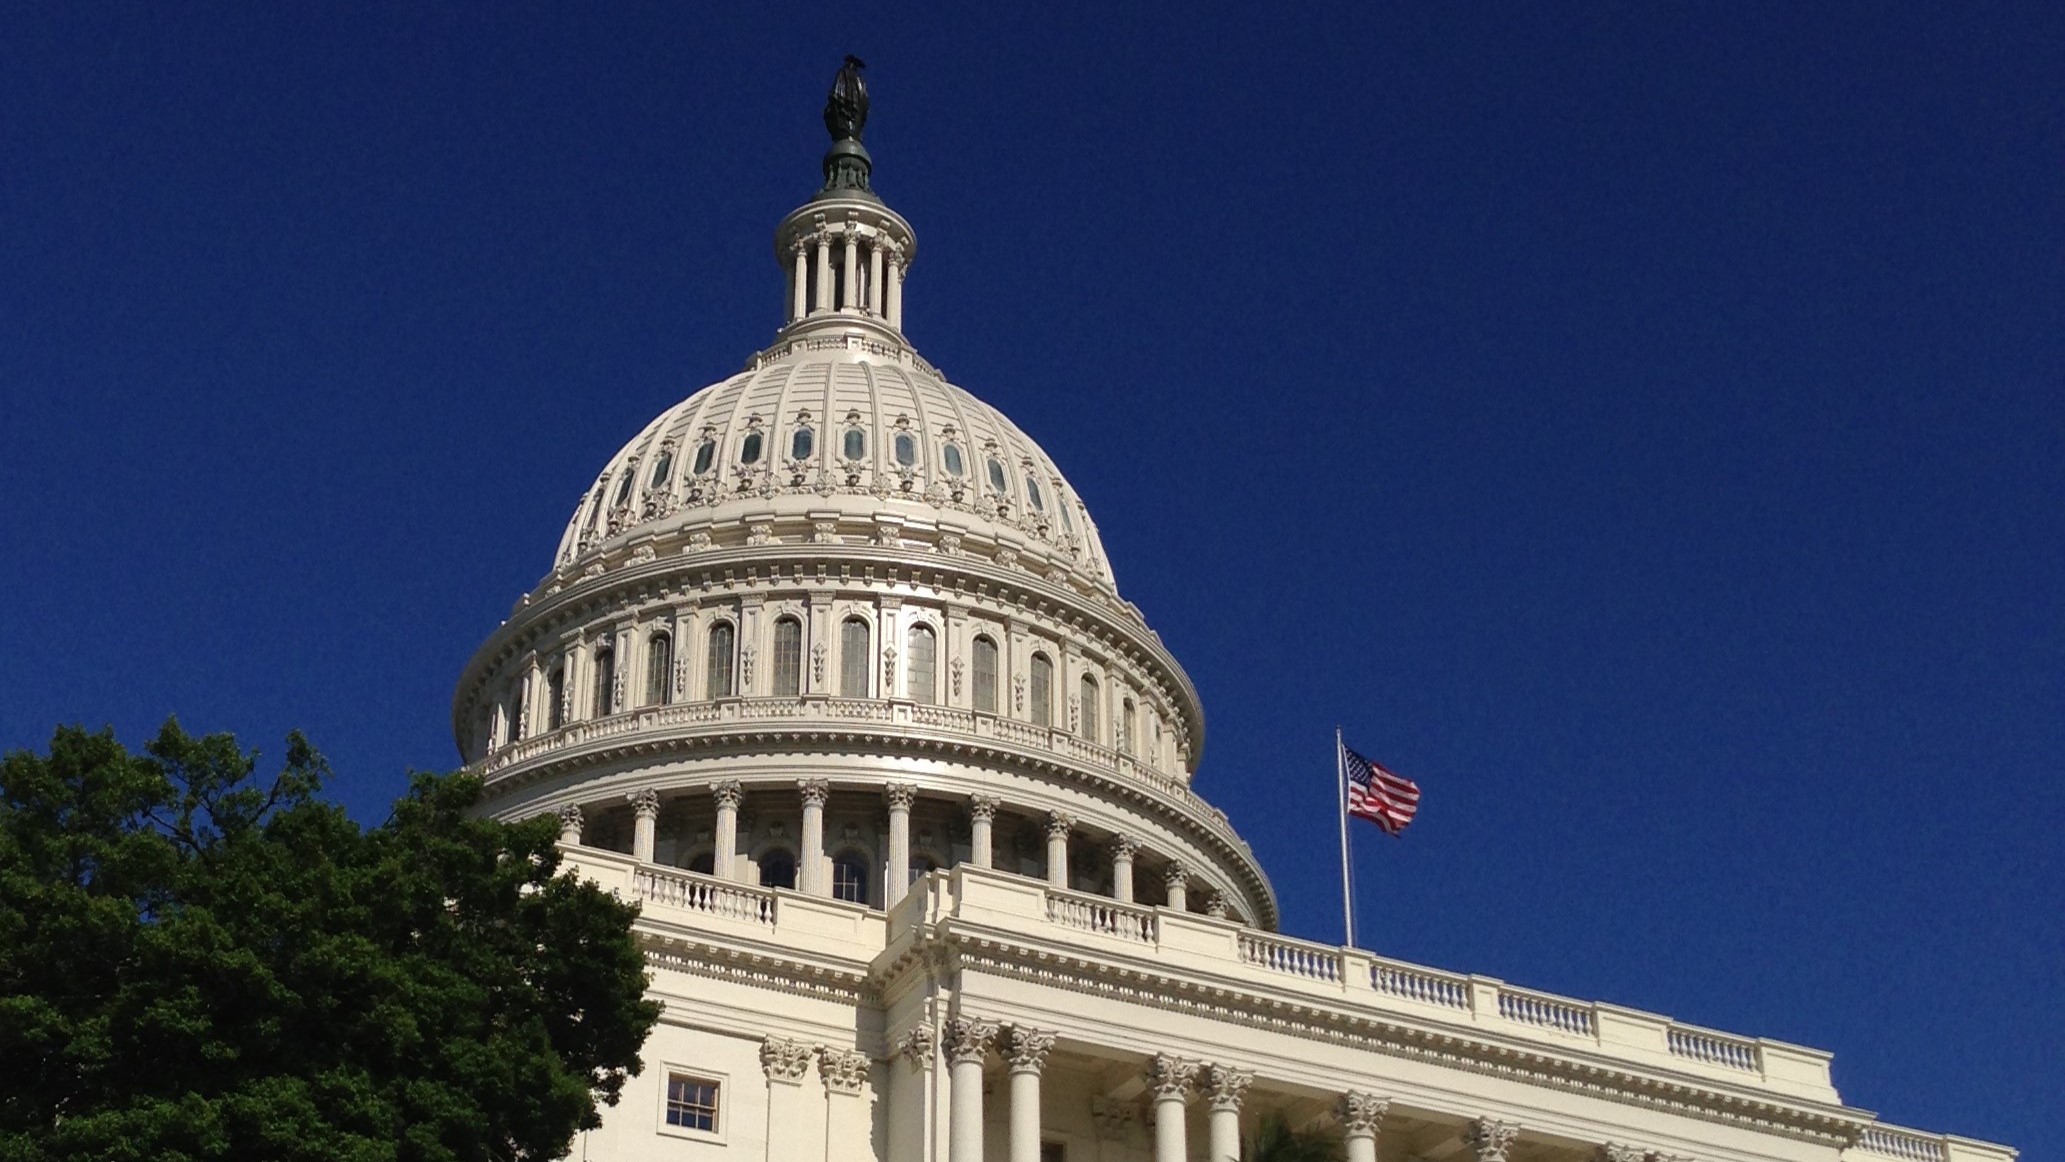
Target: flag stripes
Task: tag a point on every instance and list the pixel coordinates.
(1384, 798)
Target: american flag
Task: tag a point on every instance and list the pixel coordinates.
(1390, 801)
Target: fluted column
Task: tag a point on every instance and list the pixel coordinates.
(1177, 879)
(899, 796)
(967, 1044)
(982, 813)
(1059, 825)
(1226, 1089)
(874, 303)
(724, 861)
(799, 287)
(848, 273)
(893, 290)
(811, 876)
(1360, 1115)
(570, 822)
(785, 1062)
(913, 1070)
(845, 1074)
(647, 806)
(823, 242)
(1026, 1051)
(1122, 849)
(1169, 1078)
(1489, 1139)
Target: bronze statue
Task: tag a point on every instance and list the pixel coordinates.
(846, 108)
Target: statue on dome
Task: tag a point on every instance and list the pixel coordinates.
(846, 107)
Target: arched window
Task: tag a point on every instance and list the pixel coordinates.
(921, 663)
(855, 444)
(595, 510)
(705, 453)
(951, 454)
(512, 717)
(749, 449)
(605, 682)
(856, 661)
(662, 468)
(801, 444)
(624, 487)
(1089, 697)
(1128, 723)
(1032, 494)
(1068, 523)
(906, 449)
(850, 877)
(704, 863)
(723, 640)
(777, 869)
(996, 477)
(1042, 690)
(555, 699)
(788, 656)
(659, 670)
(986, 674)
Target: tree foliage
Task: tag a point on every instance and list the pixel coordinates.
(196, 963)
(1276, 1141)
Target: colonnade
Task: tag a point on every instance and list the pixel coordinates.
(856, 269)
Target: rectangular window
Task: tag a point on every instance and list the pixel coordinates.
(1053, 1152)
(691, 1103)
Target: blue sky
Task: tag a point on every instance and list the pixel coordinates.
(1640, 424)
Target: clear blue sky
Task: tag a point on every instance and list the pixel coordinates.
(1640, 423)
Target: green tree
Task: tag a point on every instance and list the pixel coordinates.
(1276, 1141)
(196, 964)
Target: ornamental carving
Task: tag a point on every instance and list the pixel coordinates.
(1489, 1139)
(916, 1046)
(1616, 1152)
(746, 653)
(646, 803)
(1059, 824)
(1123, 848)
(729, 793)
(1360, 1113)
(899, 796)
(643, 553)
(968, 1041)
(1225, 1087)
(1018, 692)
(982, 808)
(1075, 714)
(954, 669)
(1175, 876)
(815, 791)
(1026, 1049)
(888, 669)
(1170, 1077)
(824, 532)
(759, 533)
(817, 666)
(843, 1070)
(784, 1060)
(950, 543)
(1217, 906)
(570, 821)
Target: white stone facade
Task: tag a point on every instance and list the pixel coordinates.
(831, 674)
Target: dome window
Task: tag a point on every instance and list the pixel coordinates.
(1032, 493)
(717, 674)
(856, 444)
(986, 674)
(921, 664)
(749, 449)
(663, 468)
(705, 453)
(952, 455)
(659, 670)
(1067, 522)
(1042, 690)
(801, 443)
(906, 449)
(997, 482)
(1089, 708)
(788, 656)
(605, 682)
(856, 660)
(624, 487)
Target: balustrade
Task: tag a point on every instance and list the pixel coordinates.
(1297, 958)
(700, 893)
(1546, 1012)
(1903, 1144)
(1102, 916)
(1714, 1048)
(1426, 986)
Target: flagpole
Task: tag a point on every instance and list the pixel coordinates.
(1341, 786)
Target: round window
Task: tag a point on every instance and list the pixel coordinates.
(800, 444)
(749, 451)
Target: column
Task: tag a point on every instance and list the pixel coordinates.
(1059, 824)
(570, 820)
(1489, 1139)
(647, 804)
(845, 1074)
(899, 873)
(811, 875)
(1360, 1114)
(982, 812)
(1122, 849)
(1169, 1078)
(967, 1044)
(912, 1066)
(1227, 1088)
(723, 863)
(823, 242)
(1217, 906)
(799, 288)
(785, 1062)
(893, 290)
(1026, 1051)
(849, 272)
(1177, 878)
(874, 303)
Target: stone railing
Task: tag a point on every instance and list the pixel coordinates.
(1907, 1145)
(1714, 1048)
(692, 892)
(1546, 1012)
(1106, 917)
(1296, 957)
(1427, 986)
(727, 713)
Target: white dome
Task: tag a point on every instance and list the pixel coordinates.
(841, 438)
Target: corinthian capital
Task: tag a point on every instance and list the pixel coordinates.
(1360, 1113)
(1170, 1077)
(1026, 1049)
(969, 1040)
(729, 792)
(1225, 1087)
(1124, 847)
(814, 791)
(843, 1070)
(1059, 824)
(900, 796)
(646, 803)
(982, 808)
(1616, 1152)
(783, 1059)
(1489, 1138)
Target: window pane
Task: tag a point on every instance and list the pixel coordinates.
(719, 671)
(856, 443)
(953, 460)
(659, 671)
(996, 477)
(1032, 493)
(1127, 721)
(624, 488)
(921, 662)
(705, 452)
(1042, 690)
(605, 683)
(788, 656)
(555, 694)
(749, 451)
(906, 449)
(855, 659)
(663, 468)
(777, 870)
(1089, 696)
(850, 878)
(692, 1103)
(986, 675)
(800, 446)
